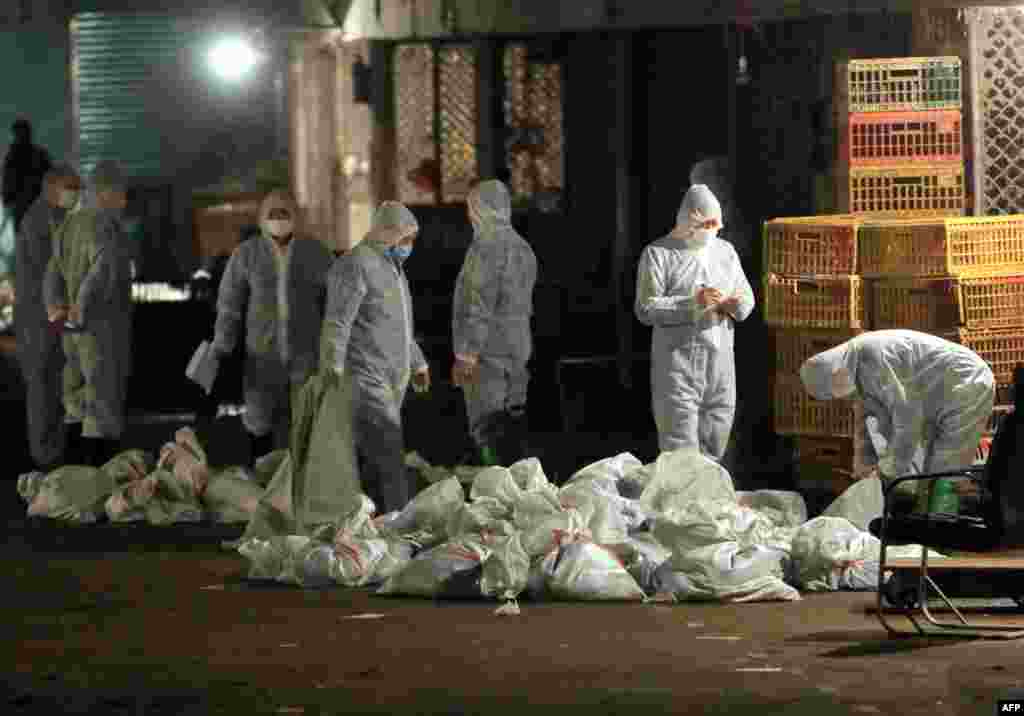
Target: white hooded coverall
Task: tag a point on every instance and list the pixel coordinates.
(693, 375)
(369, 346)
(281, 294)
(920, 388)
(492, 307)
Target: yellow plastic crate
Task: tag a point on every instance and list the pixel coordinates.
(797, 413)
(898, 84)
(938, 305)
(811, 245)
(964, 247)
(793, 346)
(834, 302)
(911, 191)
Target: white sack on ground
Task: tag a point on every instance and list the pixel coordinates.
(607, 513)
(547, 533)
(642, 554)
(785, 509)
(363, 561)
(273, 559)
(73, 493)
(726, 572)
(860, 503)
(128, 503)
(427, 573)
(506, 569)
(485, 515)
(830, 553)
(357, 522)
(274, 516)
(688, 525)
(429, 511)
(496, 483)
(29, 485)
(686, 475)
(607, 472)
(586, 571)
(172, 501)
(530, 478)
(230, 497)
(129, 466)
(535, 506)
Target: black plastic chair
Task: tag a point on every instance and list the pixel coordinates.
(998, 526)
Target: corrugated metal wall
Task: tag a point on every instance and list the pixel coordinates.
(114, 59)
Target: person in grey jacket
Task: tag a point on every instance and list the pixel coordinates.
(39, 347)
(370, 347)
(493, 304)
(277, 283)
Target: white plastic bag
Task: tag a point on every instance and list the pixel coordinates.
(506, 569)
(366, 561)
(860, 503)
(427, 573)
(74, 493)
(529, 476)
(785, 509)
(686, 475)
(607, 472)
(585, 571)
(545, 534)
(430, 510)
(685, 526)
(485, 515)
(496, 483)
(831, 553)
(229, 498)
(726, 572)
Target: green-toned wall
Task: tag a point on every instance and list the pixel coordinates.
(35, 71)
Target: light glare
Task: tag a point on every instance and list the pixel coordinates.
(233, 57)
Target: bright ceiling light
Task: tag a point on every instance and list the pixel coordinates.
(232, 58)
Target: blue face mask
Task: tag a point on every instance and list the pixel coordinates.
(399, 253)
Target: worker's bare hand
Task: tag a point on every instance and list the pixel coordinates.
(728, 306)
(75, 314)
(56, 313)
(463, 373)
(421, 380)
(708, 296)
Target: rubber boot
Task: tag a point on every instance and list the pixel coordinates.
(260, 445)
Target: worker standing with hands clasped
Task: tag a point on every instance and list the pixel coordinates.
(493, 304)
(922, 390)
(89, 286)
(39, 347)
(692, 290)
(276, 282)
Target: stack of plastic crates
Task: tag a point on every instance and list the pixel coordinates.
(900, 143)
(960, 278)
(814, 300)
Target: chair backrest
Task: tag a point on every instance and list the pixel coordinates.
(1004, 472)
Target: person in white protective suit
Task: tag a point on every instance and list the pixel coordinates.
(88, 287)
(39, 347)
(692, 290)
(922, 391)
(370, 348)
(493, 303)
(277, 282)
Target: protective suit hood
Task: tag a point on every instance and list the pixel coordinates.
(832, 373)
(698, 206)
(491, 206)
(391, 223)
(277, 199)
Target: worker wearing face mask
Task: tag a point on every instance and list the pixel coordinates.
(692, 290)
(370, 353)
(493, 303)
(276, 283)
(39, 347)
(922, 391)
(88, 289)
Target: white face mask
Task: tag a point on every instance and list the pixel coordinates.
(68, 199)
(279, 228)
(842, 383)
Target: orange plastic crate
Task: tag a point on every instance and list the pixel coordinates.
(797, 413)
(833, 302)
(795, 345)
(897, 138)
(811, 245)
(828, 463)
(908, 191)
(939, 305)
(899, 84)
(962, 247)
